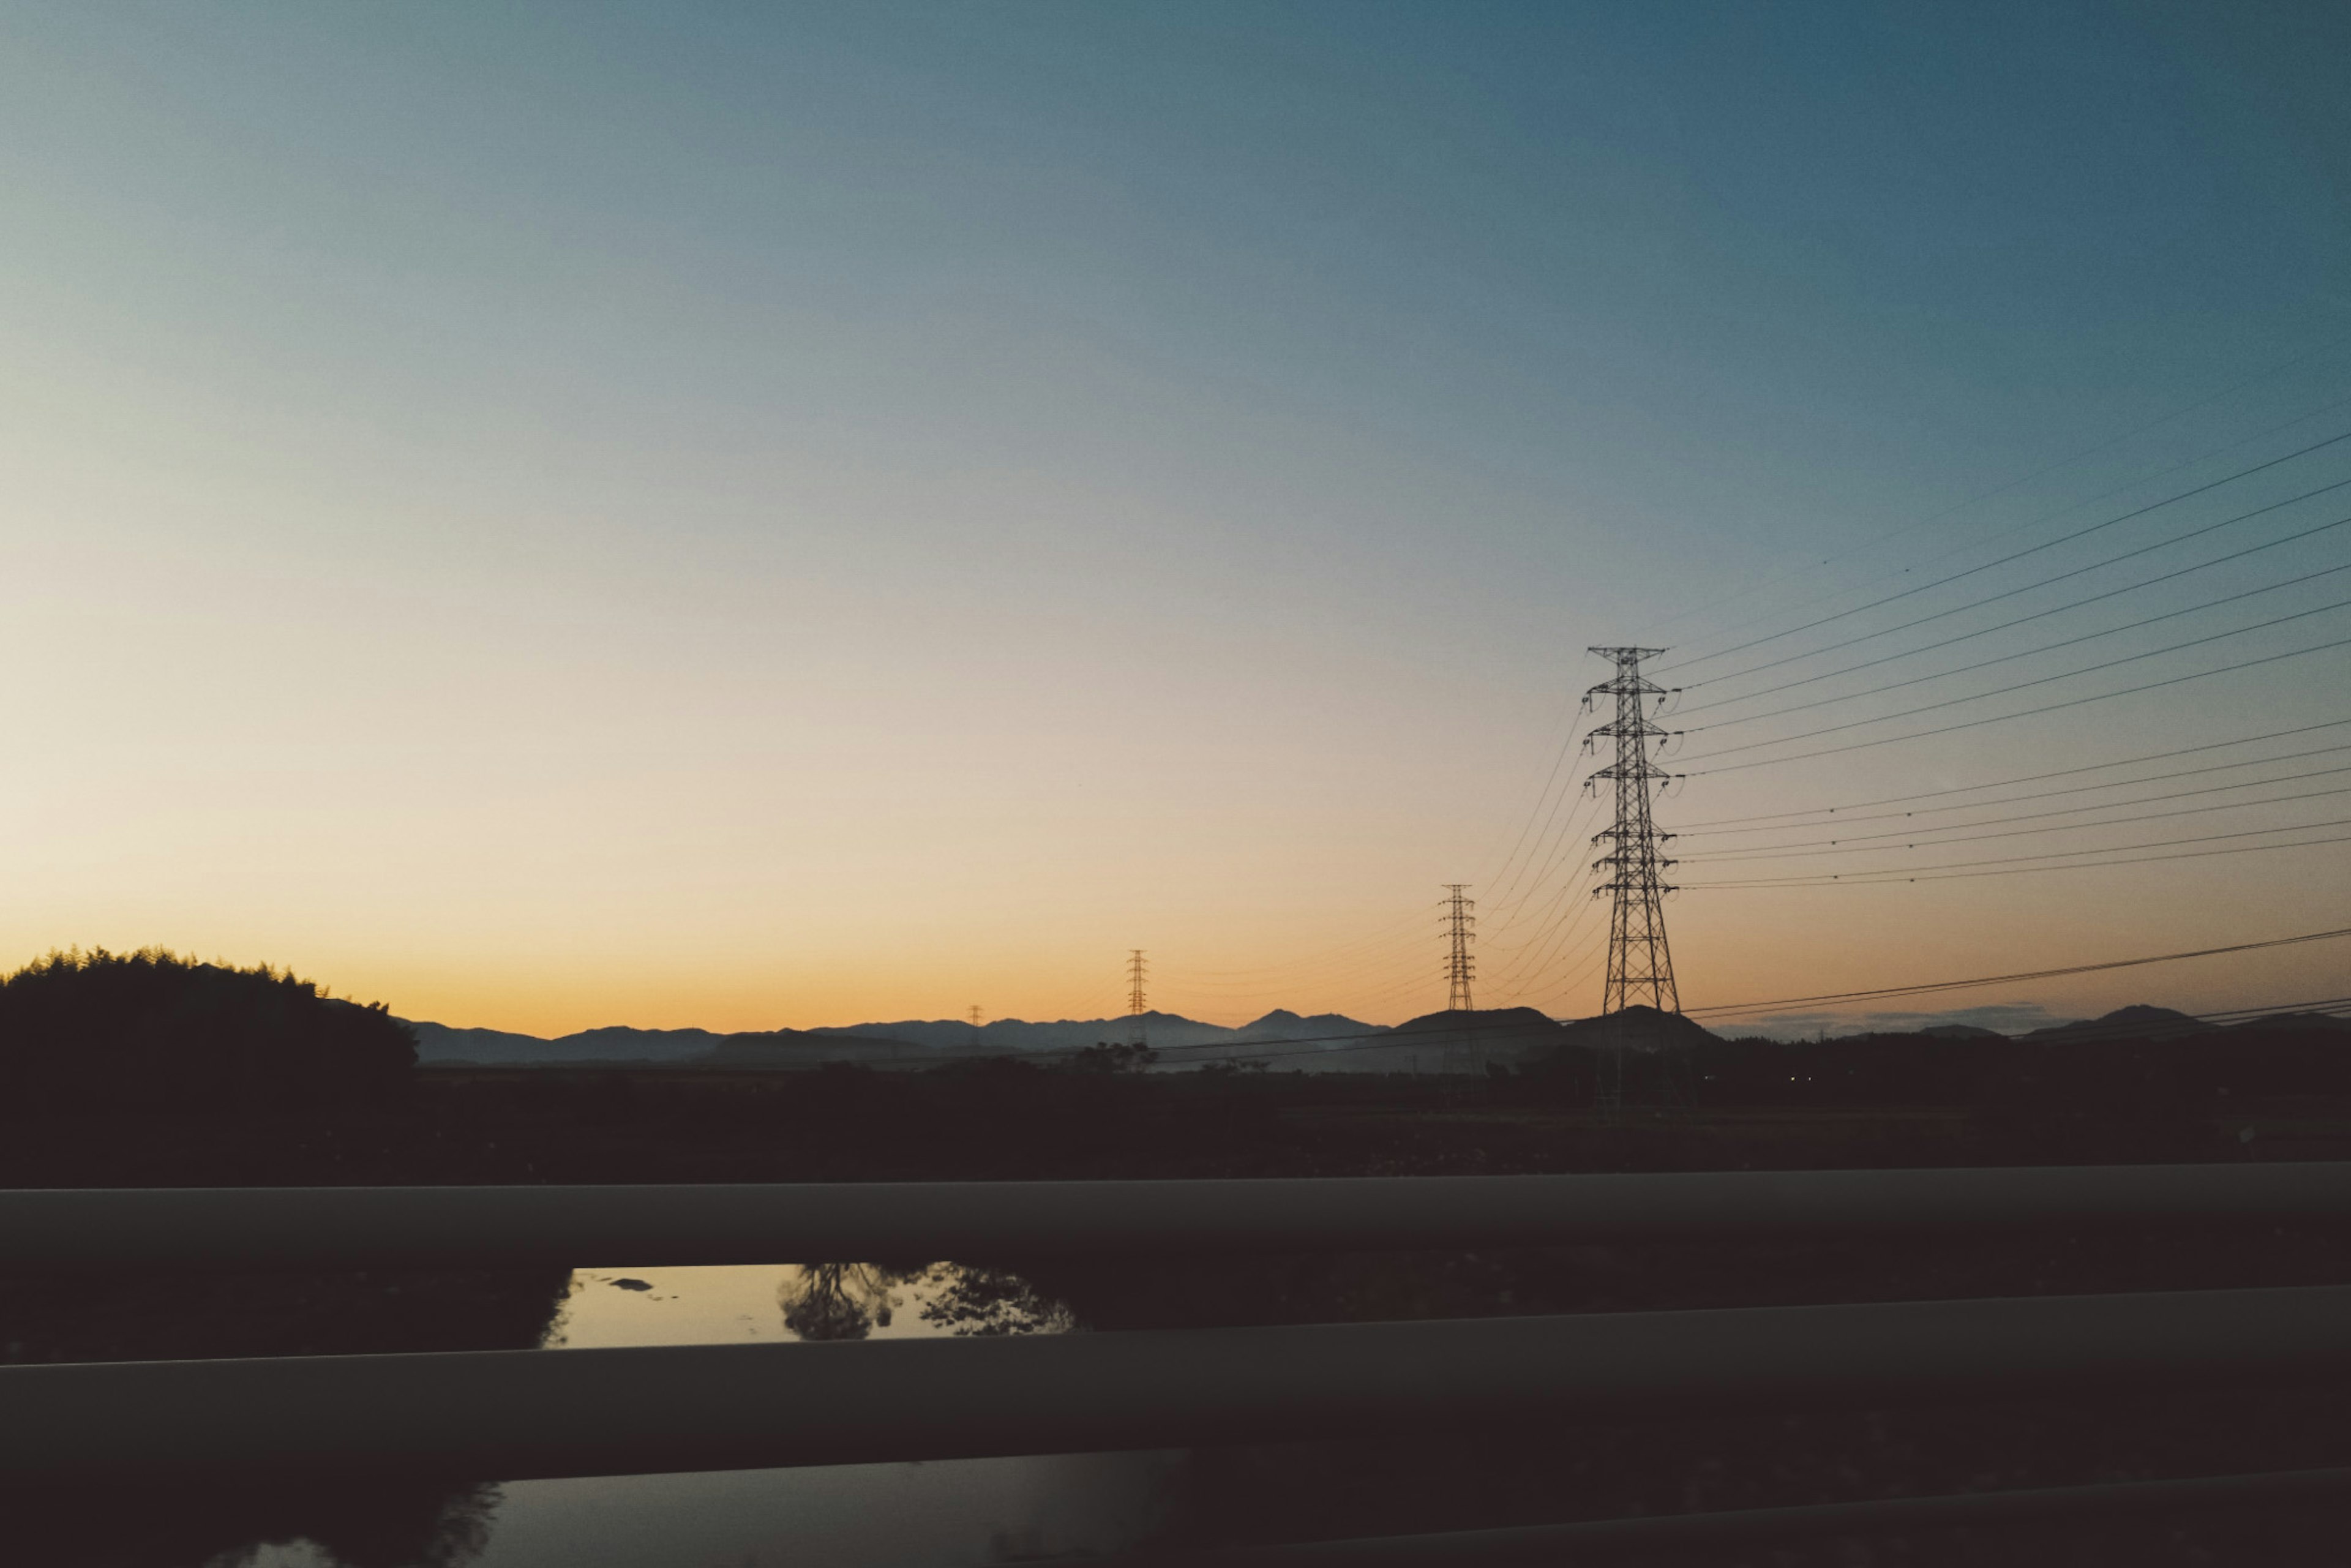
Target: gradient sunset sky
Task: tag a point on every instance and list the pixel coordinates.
(553, 516)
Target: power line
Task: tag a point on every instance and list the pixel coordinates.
(1804, 851)
(1996, 718)
(2032, 816)
(2065, 642)
(1950, 871)
(1557, 800)
(2329, 1004)
(1565, 723)
(1565, 914)
(1571, 834)
(1932, 986)
(2027, 686)
(2021, 620)
(1576, 980)
(2046, 517)
(2078, 458)
(2048, 795)
(2019, 555)
(1593, 949)
(2093, 1034)
(1547, 921)
(2059, 773)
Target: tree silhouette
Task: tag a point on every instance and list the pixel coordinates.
(104, 1029)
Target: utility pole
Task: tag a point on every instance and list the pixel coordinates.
(1640, 965)
(1135, 969)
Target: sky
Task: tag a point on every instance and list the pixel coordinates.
(740, 517)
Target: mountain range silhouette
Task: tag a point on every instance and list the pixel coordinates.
(1511, 1032)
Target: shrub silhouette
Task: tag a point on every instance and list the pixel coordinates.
(100, 1030)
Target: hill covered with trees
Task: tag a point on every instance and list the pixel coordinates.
(150, 1028)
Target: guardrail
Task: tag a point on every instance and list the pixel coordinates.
(519, 1414)
(1603, 1539)
(523, 1414)
(644, 1227)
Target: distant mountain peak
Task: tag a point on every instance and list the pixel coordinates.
(1639, 1028)
(2139, 1019)
(2141, 1012)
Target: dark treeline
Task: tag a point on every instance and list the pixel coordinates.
(2167, 1076)
(106, 1053)
(153, 1028)
(152, 1031)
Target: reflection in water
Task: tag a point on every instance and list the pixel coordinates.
(826, 1301)
(961, 1513)
(839, 1300)
(991, 1302)
(848, 1300)
(955, 1513)
(380, 1521)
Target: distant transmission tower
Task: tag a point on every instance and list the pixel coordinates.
(1460, 968)
(976, 1036)
(1135, 969)
(1640, 965)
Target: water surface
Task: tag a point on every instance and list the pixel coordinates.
(944, 1513)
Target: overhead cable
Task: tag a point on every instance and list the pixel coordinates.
(2022, 815)
(1846, 847)
(2000, 489)
(2059, 773)
(2019, 621)
(2049, 795)
(1947, 871)
(2001, 718)
(2018, 555)
(1925, 988)
(2037, 681)
(2052, 647)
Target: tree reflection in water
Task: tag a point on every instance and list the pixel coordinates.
(839, 1300)
(992, 1301)
(395, 1522)
(849, 1301)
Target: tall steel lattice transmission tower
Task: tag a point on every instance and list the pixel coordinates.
(1136, 971)
(1461, 1054)
(1640, 965)
(1461, 930)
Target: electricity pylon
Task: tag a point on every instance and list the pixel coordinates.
(1461, 968)
(1640, 965)
(1135, 969)
(1461, 927)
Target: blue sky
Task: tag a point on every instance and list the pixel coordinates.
(718, 515)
